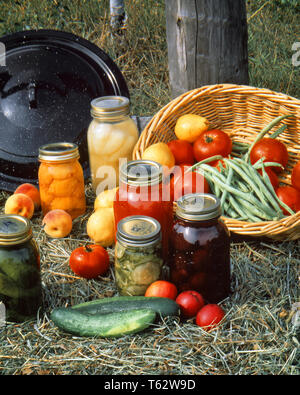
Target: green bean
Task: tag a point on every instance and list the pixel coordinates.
(254, 182)
(259, 164)
(221, 181)
(272, 191)
(278, 132)
(207, 160)
(239, 147)
(228, 181)
(262, 185)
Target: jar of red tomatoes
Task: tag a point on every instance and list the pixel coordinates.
(199, 246)
(141, 192)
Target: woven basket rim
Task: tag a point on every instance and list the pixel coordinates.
(283, 225)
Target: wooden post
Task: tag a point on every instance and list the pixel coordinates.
(207, 43)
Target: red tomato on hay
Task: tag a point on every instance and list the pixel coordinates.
(89, 261)
(163, 289)
(190, 302)
(209, 316)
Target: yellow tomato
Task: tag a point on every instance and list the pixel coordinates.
(160, 153)
(189, 127)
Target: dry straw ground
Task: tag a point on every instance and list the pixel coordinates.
(259, 335)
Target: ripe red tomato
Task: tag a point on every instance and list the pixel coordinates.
(209, 316)
(272, 150)
(89, 261)
(295, 177)
(272, 176)
(290, 196)
(210, 143)
(190, 302)
(182, 151)
(183, 183)
(163, 289)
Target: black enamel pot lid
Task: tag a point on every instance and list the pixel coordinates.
(46, 87)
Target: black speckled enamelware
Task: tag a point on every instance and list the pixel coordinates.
(46, 86)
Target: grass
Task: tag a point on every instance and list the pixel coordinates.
(260, 334)
(142, 55)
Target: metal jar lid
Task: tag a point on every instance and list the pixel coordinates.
(141, 173)
(56, 152)
(198, 207)
(14, 229)
(110, 107)
(138, 231)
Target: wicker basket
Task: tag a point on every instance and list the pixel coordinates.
(241, 111)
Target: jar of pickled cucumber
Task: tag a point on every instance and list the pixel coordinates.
(111, 137)
(20, 281)
(138, 254)
(61, 180)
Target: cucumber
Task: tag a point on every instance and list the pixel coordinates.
(102, 325)
(162, 306)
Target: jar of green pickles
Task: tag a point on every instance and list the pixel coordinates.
(20, 281)
(138, 254)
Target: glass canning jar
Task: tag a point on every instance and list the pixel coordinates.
(138, 254)
(142, 192)
(111, 137)
(20, 281)
(61, 180)
(199, 257)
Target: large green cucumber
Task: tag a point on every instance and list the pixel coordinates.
(102, 325)
(162, 306)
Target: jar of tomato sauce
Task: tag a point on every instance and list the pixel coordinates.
(61, 180)
(199, 247)
(141, 192)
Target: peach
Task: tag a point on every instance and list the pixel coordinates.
(19, 204)
(57, 223)
(31, 191)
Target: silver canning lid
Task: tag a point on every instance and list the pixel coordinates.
(141, 173)
(58, 152)
(198, 207)
(107, 107)
(14, 229)
(138, 231)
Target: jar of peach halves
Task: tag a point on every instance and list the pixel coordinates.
(61, 180)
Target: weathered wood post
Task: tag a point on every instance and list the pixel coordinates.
(207, 43)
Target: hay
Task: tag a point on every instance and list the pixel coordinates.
(258, 335)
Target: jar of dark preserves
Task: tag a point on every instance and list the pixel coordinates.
(20, 281)
(199, 246)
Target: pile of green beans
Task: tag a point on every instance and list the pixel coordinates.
(245, 194)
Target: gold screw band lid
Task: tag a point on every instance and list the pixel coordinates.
(14, 229)
(138, 230)
(141, 173)
(58, 152)
(107, 107)
(198, 207)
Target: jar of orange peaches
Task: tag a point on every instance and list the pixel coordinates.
(61, 180)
